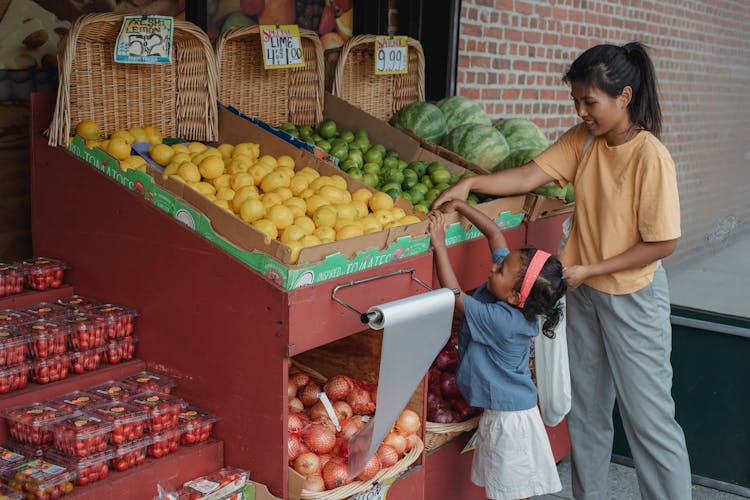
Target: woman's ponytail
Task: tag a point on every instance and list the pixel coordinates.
(644, 106)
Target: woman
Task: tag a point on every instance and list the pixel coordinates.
(627, 219)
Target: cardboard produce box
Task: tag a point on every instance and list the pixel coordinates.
(538, 206)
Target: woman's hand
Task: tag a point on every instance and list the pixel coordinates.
(575, 276)
(437, 228)
(458, 191)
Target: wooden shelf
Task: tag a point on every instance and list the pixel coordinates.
(30, 297)
(140, 482)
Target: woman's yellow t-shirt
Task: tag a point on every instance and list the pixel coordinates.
(624, 195)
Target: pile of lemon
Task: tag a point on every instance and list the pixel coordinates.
(300, 208)
(119, 144)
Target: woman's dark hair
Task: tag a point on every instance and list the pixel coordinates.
(612, 68)
(546, 292)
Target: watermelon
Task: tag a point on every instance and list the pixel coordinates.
(552, 190)
(423, 118)
(570, 195)
(459, 110)
(518, 157)
(522, 133)
(480, 144)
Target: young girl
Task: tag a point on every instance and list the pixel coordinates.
(627, 218)
(513, 458)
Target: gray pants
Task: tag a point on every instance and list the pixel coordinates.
(619, 346)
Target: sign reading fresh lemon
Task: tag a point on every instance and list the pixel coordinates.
(145, 40)
(391, 56)
(282, 46)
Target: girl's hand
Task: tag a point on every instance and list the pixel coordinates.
(575, 276)
(458, 191)
(437, 228)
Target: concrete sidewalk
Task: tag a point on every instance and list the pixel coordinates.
(623, 485)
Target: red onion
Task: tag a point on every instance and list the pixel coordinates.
(388, 455)
(338, 387)
(448, 386)
(464, 411)
(433, 381)
(453, 339)
(319, 438)
(445, 417)
(372, 467)
(447, 359)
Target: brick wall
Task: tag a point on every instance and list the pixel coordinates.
(512, 55)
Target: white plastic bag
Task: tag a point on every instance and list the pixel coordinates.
(553, 372)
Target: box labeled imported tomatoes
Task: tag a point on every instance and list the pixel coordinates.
(277, 261)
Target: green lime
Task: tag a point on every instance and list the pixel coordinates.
(380, 148)
(402, 164)
(288, 126)
(388, 186)
(425, 179)
(472, 199)
(393, 193)
(407, 197)
(440, 176)
(327, 128)
(340, 151)
(362, 134)
(371, 168)
(347, 164)
(370, 179)
(338, 141)
(316, 137)
(394, 175)
(355, 173)
(324, 145)
(306, 131)
(293, 133)
(422, 208)
(454, 179)
(442, 187)
(390, 162)
(430, 196)
(416, 196)
(410, 178)
(374, 155)
(421, 187)
(419, 167)
(347, 135)
(391, 153)
(356, 156)
(435, 165)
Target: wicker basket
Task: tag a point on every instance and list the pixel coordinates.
(274, 96)
(179, 98)
(437, 435)
(382, 96)
(361, 486)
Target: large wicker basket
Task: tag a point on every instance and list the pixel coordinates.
(276, 95)
(437, 435)
(354, 78)
(178, 98)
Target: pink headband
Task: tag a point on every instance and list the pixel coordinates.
(532, 273)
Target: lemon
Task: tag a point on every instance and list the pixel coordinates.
(224, 204)
(161, 154)
(398, 213)
(268, 160)
(124, 135)
(91, 144)
(222, 181)
(360, 207)
(349, 231)
(242, 194)
(314, 202)
(226, 150)
(196, 147)
(205, 188)
(296, 246)
(103, 145)
(268, 229)
(321, 181)
(292, 233)
(178, 157)
(309, 240)
(241, 179)
(275, 180)
(281, 216)
(152, 135)
(118, 148)
(127, 164)
(249, 149)
(325, 234)
(211, 197)
(309, 171)
(334, 194)
(307, 193)
(341, 222)
(293, 201)
(284, 192)
(339, 182)
(306, 223)
(362, 194)
(251, 210)
(409, 219)
(324, 216)
(258, 171)
(370, 224)
(211, 167)
(225, 193)
(270, 199)
(383, 216)
(138, 133)
(380, 201)
(238, 166)
(88, 129)
(189, 172)
(285, 161)
(346, 211)
(170, 169)
(179, 148)
(298, 183)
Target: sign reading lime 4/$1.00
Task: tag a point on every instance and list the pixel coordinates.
(281, 46)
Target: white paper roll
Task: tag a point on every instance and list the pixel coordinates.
(414, 331)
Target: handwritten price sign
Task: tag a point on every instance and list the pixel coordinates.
(145, 40)
(282, 47)
(377, 492)
(391, 56)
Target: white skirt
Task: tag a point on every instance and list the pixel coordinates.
(513, 458)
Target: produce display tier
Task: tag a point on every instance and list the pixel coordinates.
(222, 330)
(29, 297)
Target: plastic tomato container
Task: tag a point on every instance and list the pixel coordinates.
(27, 450)
(48, 338)
(46, 310)
(88, 469)
(147, 381)
(86, 331)
(76, 402)
(52, 369)
(32, 423)
(164, 443)
(13, 346)
(8, 493)
(118, 320)
(113, 390)
(120, 350)
(78, 303)
(226, 483)
(11, 317)
(11, 279)
(196, 425)
(127, 421)
(130, 454)
(163, 410)
(39, 479)
(86, 361)
(14, 377)
(43, 273)
(9, 458)
(82, 435)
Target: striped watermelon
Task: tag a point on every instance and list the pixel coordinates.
(459, 110)
(423, 118)
(480, 144)
(521, 133)
(519, 157)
